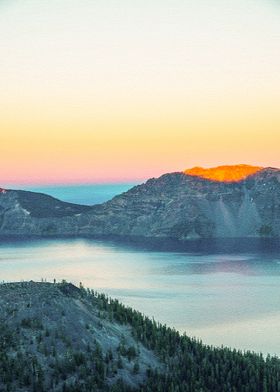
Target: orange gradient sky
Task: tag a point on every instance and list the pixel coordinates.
(120, 90)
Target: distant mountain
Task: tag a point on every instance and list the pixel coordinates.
(31, 213)
(57, 337)
(176, 205)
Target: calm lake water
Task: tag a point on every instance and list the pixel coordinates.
(87, 194)
(224, 292)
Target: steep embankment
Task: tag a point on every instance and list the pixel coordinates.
(175, 205)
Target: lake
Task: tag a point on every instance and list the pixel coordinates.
(87, 194)
(224, 292)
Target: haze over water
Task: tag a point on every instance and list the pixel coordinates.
(224, 292)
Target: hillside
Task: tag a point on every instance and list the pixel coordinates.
(57, 337)
(183, 206)
(176, 205)
(22, 212)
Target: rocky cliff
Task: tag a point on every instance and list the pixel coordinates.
(175, 205)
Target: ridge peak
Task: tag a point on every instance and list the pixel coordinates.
(224, 173)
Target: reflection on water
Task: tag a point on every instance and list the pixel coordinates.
(225, 292)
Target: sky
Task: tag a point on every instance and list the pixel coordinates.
(117, 91)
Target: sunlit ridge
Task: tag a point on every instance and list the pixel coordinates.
(227, 173)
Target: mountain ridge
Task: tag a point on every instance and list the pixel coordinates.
(174, 205)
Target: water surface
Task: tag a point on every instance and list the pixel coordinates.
(87, 194)
(222, 292)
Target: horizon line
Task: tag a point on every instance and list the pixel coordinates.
(75, 183)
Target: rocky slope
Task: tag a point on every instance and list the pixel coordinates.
(55, 337)
(60, 335)
(175, 205)
(182, 206)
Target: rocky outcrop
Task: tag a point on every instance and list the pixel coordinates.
(174, 205)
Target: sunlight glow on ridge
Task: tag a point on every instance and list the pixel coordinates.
(228, 173)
